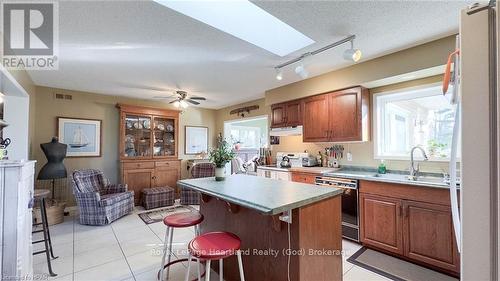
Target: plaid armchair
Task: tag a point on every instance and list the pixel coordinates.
(100, 202)
(199, 170)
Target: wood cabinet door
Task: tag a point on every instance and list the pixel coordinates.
(316, 119)
(293, 111)
(137, 180)
(304, 177)
(429, 237)
(278, 115)
(381, 222)
(166, 176)
(345, 108)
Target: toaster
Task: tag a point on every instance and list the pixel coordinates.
(309, 161)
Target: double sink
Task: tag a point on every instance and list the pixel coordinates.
(423, 180)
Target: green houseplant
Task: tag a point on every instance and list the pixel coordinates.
(220, 156)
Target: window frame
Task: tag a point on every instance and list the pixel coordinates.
(401, 94)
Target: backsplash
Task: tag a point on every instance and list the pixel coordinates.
(362, 154)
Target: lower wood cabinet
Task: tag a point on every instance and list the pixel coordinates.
(309, 178)
(410, 222)
(139, 175)
(428, 230)
(382, 223)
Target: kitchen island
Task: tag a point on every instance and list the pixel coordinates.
(251, 207)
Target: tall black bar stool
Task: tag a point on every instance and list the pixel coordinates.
(40, 195)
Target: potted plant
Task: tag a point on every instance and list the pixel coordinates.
(220, 156)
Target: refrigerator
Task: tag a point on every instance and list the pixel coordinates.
(479, 213)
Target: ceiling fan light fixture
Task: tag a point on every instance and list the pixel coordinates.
(279, 74)
(183, 104)
(177, 104)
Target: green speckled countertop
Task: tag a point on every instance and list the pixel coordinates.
(268, 196)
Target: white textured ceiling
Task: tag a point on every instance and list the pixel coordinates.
(120, 48)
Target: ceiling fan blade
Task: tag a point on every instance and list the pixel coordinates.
(197, 98)
(162, 97)
(192, 101)
(173, 101)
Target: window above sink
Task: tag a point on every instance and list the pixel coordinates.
(409, 117)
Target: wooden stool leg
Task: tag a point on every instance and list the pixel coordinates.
(240, 264)
(221, 270)
(165, 247)
(45, 238)
(207, 271)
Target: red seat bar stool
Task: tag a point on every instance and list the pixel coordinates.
(179, 220)
(215, 246)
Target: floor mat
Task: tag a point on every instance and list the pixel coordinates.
(394, 268)
(156, 215)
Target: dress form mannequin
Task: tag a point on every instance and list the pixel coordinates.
(54, 169)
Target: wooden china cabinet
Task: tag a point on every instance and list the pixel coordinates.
(148, 148)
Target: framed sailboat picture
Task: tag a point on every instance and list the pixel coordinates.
(83, 136)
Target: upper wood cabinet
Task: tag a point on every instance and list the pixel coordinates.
(316, 122)
(337, 116)
(286, 114)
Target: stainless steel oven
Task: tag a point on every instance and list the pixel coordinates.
(350, 214)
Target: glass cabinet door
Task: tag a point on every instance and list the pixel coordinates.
(164, 137)
(137, 136)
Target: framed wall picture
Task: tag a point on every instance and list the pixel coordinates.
(83, 136)
(196, 140)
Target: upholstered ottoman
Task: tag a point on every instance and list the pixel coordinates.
(190, 197)
(157, 197)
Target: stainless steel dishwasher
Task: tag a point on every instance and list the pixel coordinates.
(350, 205)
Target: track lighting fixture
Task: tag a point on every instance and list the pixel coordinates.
(352, 54)
(349, 54)
(301, 70)
(279, 74)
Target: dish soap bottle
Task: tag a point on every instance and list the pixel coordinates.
(382, 169)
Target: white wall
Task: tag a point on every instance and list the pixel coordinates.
(16, 114)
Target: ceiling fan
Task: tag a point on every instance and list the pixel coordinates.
(181, 99)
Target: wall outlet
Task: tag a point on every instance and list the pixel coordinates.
(349, 156)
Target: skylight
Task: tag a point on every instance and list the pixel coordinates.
(246, 21)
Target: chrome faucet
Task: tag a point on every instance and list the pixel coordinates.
(415, 170)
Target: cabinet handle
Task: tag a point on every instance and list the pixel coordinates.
(154, 177)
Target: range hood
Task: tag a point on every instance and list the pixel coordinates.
(286, 131)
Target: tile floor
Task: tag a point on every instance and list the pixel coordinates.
(129, 250)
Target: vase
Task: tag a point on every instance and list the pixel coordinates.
(220, 174)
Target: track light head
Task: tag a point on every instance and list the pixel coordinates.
(302, 71)
(352, 54)
(279, 74)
